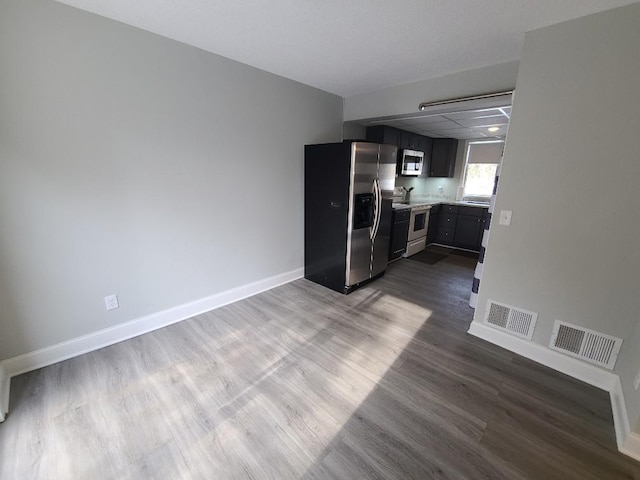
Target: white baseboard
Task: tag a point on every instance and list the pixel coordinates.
(631, 446)
(628, 441)
(539, 353)
(4, 393)
(102, 338)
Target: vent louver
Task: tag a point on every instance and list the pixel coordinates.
(511, 319)
(589, 345)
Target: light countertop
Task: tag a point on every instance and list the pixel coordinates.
(418, 203)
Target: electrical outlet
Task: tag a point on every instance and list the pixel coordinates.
(111, 302)
(505, 217)
(636, 382)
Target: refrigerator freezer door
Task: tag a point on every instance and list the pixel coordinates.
(364, 171)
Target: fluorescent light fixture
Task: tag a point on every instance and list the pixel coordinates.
(424, 105)
(493, 129)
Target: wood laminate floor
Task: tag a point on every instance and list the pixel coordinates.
(301, 382)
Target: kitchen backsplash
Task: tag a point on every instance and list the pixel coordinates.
(440, 189)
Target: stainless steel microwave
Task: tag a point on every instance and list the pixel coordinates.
(411, 163)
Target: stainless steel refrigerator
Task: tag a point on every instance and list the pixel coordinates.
(347, 224)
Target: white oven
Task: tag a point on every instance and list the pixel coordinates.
(417, 239)
(419, 222)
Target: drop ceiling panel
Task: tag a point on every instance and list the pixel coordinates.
(431, 120)
(483, 121)
(473, 114)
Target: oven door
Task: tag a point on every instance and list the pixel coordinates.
(418, 223)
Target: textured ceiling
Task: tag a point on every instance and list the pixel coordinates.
(351, 46)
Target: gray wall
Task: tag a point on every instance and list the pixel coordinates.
(353, 131)
(136, 165)
(570, 175)
(405, 99)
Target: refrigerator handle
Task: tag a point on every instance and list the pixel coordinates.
(378, 208)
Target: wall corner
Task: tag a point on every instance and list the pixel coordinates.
(4, 392)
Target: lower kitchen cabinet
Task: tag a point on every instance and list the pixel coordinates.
(458, 226)
(432, 228)
(468, 229)
(399, 232)
(445, 235)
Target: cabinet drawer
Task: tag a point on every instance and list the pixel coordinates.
(447, 220)
(472, 211)
(445, 235)
(401, 215)
(449, 208)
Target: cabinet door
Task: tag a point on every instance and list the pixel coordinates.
(447, 220)
(445, 235)
(405, 139)
(426, 144)
(446, 208)
(443, 157)
(467, 231)
(432, 229)
(399, 233)
(384, 134)
(413, 141)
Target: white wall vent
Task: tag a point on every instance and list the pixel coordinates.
(510, 319)
(589, 345)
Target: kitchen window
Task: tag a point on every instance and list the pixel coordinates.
(482, 160)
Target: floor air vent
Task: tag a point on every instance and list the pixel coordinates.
(511, 319)
(589, 345)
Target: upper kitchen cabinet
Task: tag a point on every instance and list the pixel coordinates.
(412, 141)
(427, 148)
(443, 157)
(384, 134)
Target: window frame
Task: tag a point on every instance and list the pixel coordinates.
(463, 181)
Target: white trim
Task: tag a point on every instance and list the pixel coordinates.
(102, 338)
(631, 446)
(4, 392)
(628, 442)
(539, 353)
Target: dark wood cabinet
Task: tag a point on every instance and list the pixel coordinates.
(443, 157)
(399, 232)
(448, 220)
(412, 141)
(432, 228)
(446, 208)
(426, 147)
(384, 134)
(467, 231)
(445, 235)
(458, 226)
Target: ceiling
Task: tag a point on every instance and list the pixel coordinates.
(463, 124)
(351, 46)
